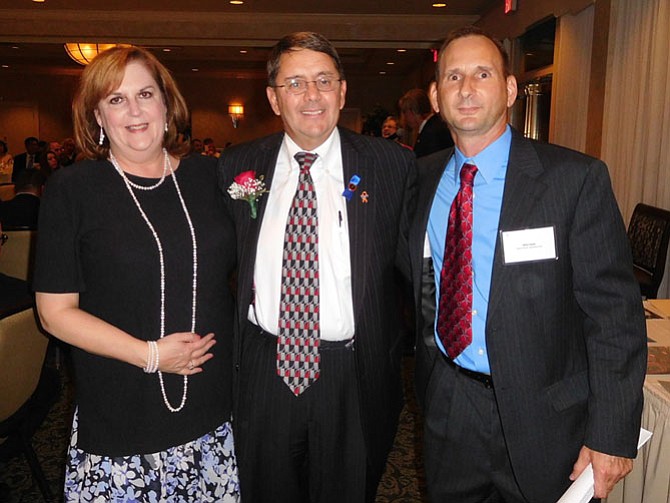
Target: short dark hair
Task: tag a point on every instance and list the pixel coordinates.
(297, 41)
(468, 31)
(29, 140)
(102, 76)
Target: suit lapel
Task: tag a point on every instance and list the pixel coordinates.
(361, 216)
(263, 162)
(430, 174)
(523, 191)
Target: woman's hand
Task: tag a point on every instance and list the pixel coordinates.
(184, 352)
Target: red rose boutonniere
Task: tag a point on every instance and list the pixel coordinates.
(248, 188)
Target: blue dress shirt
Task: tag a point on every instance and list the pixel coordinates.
(488, 189)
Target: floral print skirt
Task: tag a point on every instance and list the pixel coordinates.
(203, 470)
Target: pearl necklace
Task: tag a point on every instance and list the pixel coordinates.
(166, 164)
(159, 245)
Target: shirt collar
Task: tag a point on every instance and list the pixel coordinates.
(491, 162)
(322, 150)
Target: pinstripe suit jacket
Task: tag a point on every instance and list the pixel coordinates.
(378, 242)
(566, 337)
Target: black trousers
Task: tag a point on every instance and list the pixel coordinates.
(466, 458)
(308, 448)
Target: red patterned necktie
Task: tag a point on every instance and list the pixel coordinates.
(299, 336)
(454, 323)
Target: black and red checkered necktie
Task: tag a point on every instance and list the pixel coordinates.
(299, 335)
(454, 321)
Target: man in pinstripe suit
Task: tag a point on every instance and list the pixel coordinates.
(551, 375)
(329, 442)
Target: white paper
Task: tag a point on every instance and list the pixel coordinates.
(581, 490)
(529, 245)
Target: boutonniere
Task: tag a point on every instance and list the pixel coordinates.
(248, 188)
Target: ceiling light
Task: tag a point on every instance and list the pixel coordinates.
(390, 63)
(85, 53)
(195, 69)
(242, 51)
(236, 2)
(167, 49)
(382, 73)
(38, 1)
(401, 50)
(5, 66)
(439, 5)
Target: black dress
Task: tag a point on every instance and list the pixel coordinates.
(93, 241)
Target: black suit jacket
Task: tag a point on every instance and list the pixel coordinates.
(20, 211)
(566, 337)
(434, 136)
(378, 242)
(19, 165)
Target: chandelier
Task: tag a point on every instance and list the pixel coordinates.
(85, 53)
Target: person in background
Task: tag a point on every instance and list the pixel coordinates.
(6, 163)
(133, 261)
(319, 373)
(27, 159)
(69, 154)
(390, 130)
(209, 148)
(51, 163)
(534, 339)
(417, 114)
(196, 146)
(22, 211)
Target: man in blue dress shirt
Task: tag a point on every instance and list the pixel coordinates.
(551, 377)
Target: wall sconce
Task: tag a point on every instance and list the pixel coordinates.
(236, 113)
(85, 53)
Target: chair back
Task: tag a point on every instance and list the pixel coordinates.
(18, 254)
(22, 351)
(6, 191)
(649, 233)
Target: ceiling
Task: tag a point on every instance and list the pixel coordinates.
(213, 35)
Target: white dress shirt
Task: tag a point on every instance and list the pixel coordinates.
(335, 295)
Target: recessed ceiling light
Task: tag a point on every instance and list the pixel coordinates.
(401, 50)
(15, 47)
(167, 49)
(382, 73)
(439, 5)
(5, 66)
(236, 2)
(195, 69)
(243, 51)
(38, 1)
(390, 63)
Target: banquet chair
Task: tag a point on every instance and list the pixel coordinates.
(649, 233)
(18, 253)
(27, 391)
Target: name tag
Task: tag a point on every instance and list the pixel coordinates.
(529, 245)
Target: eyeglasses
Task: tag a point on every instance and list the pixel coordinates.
(3, 238)
(299, 86)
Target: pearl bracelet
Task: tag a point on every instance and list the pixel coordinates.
(153, 359)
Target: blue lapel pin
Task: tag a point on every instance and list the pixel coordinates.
(351, 187)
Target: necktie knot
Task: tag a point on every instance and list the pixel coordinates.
(468, 172)
(305, 160)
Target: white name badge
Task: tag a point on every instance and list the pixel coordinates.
(529, 245)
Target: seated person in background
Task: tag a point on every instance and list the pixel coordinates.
(69, 152)
(390, 131)
(196, 146)
(15, 295)
(51, 163)
(6, 164)
(23, 209)
(27, 159)
(210, 148)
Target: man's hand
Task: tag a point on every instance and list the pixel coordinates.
(607, 470)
